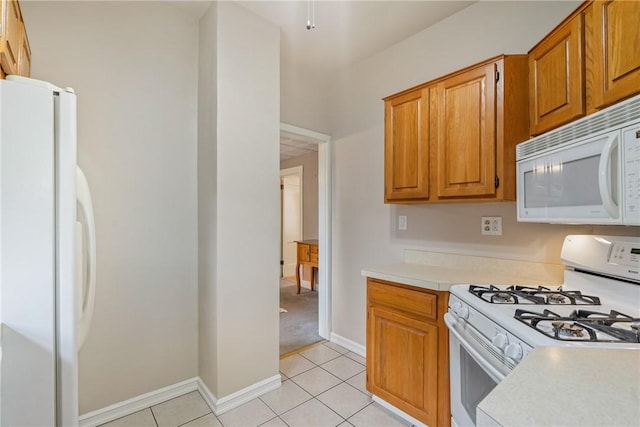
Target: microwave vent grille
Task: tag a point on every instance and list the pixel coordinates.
(612, 117)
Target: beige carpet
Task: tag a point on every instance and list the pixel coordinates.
(299, 323)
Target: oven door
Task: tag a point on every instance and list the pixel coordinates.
(474, 370)
(578, 183)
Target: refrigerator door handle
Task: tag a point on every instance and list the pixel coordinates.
(88, 288)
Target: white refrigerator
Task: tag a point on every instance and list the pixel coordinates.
(45, 254)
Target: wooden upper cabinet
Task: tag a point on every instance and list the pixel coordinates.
(10, 36)
(407, 146)
(481, 114)
(453, 139)
(466, 144)
(557, 77)
(24, 54)
(15, 53)
(616, 51)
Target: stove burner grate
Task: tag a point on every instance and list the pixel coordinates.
(540, 295)
(573, 327)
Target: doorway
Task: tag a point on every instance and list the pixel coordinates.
(292, 209)
(323, 143)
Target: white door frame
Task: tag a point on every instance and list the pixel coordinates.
(324, 224)
(299, 172)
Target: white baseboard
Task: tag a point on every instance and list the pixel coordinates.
(348, 344)
(138, 403)
(208, 397)
(218, 406)
(233, 400)
(398, 412)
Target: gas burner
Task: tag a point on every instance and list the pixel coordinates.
(539, 295)
(495, 295)
(567, 329)
(583, 325)
(502, 298)
(556, 299)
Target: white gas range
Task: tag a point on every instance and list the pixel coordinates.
(493, 327)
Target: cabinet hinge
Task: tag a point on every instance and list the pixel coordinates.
(281, 187)
(497, 75)
(497, 182)
(281, 262)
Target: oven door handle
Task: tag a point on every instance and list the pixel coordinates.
(496, 375)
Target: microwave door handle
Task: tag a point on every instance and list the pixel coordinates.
(605, 177)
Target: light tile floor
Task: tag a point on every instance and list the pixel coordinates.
(321, 386)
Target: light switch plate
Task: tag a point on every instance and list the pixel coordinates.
(402, 222)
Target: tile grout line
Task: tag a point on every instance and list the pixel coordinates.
(327, 361)
(197, 418)
(311, 396)
(331, 409)
(154, 416)
(358, 411)
(342, 381)
(315, 397)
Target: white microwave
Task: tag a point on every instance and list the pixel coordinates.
(586, 172)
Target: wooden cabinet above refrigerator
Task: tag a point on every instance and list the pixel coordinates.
(15, 52)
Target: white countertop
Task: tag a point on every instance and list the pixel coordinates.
(567, 386)
(440, 271)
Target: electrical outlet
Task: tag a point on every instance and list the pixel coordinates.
(491, 226)
(402, 222)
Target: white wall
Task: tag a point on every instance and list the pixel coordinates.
(207, 202)
(304, 97)
(242, 282)
(134, 68)
(363, 227)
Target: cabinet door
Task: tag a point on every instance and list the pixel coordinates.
(616, 51)
(24, 53)
(556, 78)
(466, 158)
(10, 37)
(406, 154)
(402, 356)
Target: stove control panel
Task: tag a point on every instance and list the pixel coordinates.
(615, 256)
(505, 346)
(500, 340)
(625, 254)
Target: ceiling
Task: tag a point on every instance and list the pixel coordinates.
(294, 145)
(346, 31)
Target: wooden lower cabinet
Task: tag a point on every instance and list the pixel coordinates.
(408, 350)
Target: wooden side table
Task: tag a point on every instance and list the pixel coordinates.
(307, 255)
